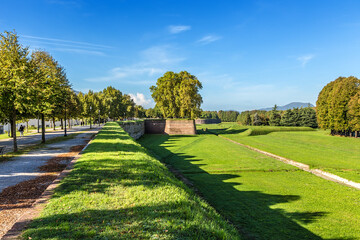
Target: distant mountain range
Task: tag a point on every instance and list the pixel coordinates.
(289, 106)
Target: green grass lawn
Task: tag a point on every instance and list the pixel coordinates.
(118, 191)
(264, 198)
(338, 155)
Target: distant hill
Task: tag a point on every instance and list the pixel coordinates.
(290, 106)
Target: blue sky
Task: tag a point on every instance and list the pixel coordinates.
(247, 54)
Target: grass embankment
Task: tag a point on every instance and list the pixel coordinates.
(264, 198)
(338, 155)
(118, 191)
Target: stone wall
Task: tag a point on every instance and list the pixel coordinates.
(155, 126)
(159, 126)
(162, 126)
(134, 129)
(180, 127)
(207, 121)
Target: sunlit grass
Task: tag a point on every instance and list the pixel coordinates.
(262, 197)
(118, 191)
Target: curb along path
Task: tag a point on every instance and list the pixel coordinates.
(302, 166)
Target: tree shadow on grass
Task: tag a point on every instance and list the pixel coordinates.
(158, 221)
(249, 211)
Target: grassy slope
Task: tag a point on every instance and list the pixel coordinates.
(265, 199)
(118, 191)
(338, 155)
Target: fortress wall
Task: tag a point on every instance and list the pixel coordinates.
(134, 129)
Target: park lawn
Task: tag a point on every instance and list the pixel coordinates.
(118, 191)
(263, 199)
(212, 153)
(338, 155)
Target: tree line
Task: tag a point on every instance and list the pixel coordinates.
(304, 117)
(338, 106)
(36, 86)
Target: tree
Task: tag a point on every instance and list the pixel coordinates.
(153, 113)
(139, 112)
(177, 95)
(128, 106)
(333, 104)
(257, 121)
(275, 117)
(51, 86)
(308, 117)
(247, 119)
(323, 106)
(15, 80)
(288, 118)
(354, 113)
(112, 101)
(89, 105)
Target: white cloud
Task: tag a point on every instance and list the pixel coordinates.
(140, 99)
(121, 73)
(305, 59)
(65, 45)
(159, 55)
(209, 39)
(80, 51)
(178, 29)
(153, 61)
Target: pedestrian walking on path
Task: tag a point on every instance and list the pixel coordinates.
(21, 130)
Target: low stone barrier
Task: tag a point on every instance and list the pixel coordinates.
(180, 127)
(134, 128)
(155, 126)
(169, 126)
(159, 126)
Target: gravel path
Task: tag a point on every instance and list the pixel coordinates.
(36, 138)
(21, 181)
(25, 167)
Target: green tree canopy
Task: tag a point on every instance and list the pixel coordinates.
(275, 117)
(16, 80)
(177, 95)
(333, 103)
(354, 112)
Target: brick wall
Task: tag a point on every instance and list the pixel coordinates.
(180, 127)
(161, 126)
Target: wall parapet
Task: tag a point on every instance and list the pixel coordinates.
(135, 129)
(159, 126)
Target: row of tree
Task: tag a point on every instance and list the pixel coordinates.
(36, 86)
(296, 117)
(338, 106)
(291, 117)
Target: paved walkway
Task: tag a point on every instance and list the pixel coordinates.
(25, 166)
(36, 138)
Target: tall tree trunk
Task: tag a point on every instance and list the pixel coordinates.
(69, 123)
(13, 130)
(27, 126)
(42, 128)
(38, 127)
(62, 123)
(54, 122)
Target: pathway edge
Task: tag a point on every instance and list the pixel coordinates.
(18, 227)
(302, 166)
